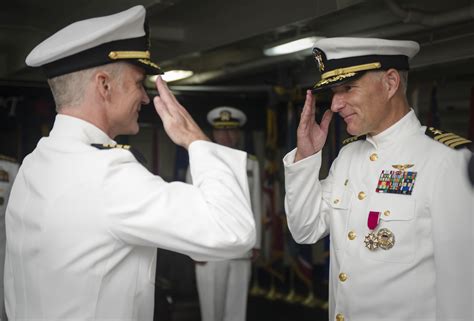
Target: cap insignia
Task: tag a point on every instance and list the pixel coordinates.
(319, 59)
(224, 115)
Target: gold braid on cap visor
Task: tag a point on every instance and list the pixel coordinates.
(226, 124)
(129, 55)
(342, 73)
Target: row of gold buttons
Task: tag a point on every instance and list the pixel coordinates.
(352, 235)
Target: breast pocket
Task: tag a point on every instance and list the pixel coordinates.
(398, 215)
(339, 202)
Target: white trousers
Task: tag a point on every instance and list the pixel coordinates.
(223, 288)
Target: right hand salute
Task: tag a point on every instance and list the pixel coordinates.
(310, 135)
(178, 124)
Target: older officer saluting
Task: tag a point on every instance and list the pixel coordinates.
(397, 202)
(85, 217)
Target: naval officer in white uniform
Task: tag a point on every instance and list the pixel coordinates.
(85, 217)
(397, 202)
(223, 285)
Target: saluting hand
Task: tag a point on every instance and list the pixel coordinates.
(310, 135)
(178, 124)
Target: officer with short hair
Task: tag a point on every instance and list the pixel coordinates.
(223, 285)
(397, 202)
(85, 217)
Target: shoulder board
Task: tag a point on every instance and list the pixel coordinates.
(140, 158)
(111, 146)
(251, 156)
(8, 159)
(352, 139)
(449, 139)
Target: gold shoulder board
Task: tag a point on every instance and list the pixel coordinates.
(449, 139)
(140, 158)
(352, 139)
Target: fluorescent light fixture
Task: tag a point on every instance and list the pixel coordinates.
(291, 46)
(174, 75)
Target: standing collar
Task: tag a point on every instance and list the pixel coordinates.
(406, 126)
(75, 128)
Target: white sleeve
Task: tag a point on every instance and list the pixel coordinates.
(209, 220)
(451, 207)
(306, 210)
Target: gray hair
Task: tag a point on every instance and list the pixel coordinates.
(69, 89)
(403, 78)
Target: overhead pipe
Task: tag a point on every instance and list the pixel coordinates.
(413, 21)
(429, 19)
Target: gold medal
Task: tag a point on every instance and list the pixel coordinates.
(371, 241)
(385, 238)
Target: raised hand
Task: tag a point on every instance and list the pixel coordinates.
(310, 135)
(178, 124)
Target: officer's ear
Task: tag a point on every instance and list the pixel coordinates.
(391, 82)
(103, 84)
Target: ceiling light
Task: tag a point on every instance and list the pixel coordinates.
(174, 75)
(291, 46)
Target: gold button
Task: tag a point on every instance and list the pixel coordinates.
(361, 195)
(374, 157)
(386, 213)
(336, 201)
(339, 317)
(342, 277)
(351, 235)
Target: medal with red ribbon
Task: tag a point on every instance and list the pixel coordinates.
(371, 240)
(383, 239)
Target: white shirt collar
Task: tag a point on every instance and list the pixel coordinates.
(406, 126)
(72, 127)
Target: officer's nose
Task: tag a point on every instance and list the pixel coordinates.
(145, 98)
(337, 102)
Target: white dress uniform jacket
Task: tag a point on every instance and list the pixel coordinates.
(223, 285)
(427, 275)
(83, 224)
